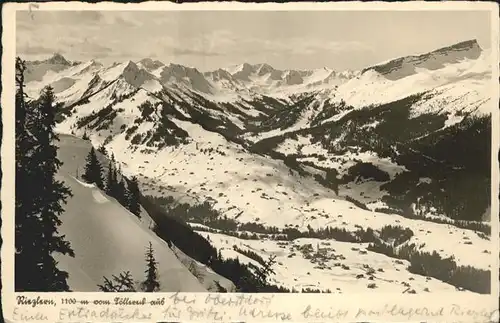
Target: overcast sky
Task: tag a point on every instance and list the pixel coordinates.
(212, 39)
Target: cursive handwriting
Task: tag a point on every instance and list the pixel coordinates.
(265, 314)
(458, 310)
(310, 313)
(171, 312)
(182, 299)
(238, 300)
(18, 315)
(204, 313)
(108, 314)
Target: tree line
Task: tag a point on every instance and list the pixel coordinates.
(127, 195)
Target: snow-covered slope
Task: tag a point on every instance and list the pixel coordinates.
(210, 279)
(435, 60)
(467, 75)
(340, 267)
(259, 189)
(107, 239)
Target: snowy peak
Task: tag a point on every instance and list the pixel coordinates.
(243, 72)
(405, 66)
(130, 67)
(264, 77)
(91, 66)
(263, 69)
(149, 64)
(129, 72)
(223, 81)
(184, 76)
(136, 76)
(219, 74)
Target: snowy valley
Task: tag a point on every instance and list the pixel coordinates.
(315, 181)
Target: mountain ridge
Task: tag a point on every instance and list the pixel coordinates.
(263, 78)
(57, 57)
(433, 60)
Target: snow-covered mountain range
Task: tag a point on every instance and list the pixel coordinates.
(247, 94)
(405, 142)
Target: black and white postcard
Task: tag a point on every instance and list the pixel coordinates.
(252, 162)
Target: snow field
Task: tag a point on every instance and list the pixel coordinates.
(337, 267)
(267, 193)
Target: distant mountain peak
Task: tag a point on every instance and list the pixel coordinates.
(218, 72)
(264, 69)
(150, 61)
(150, 64)
(57, 59)
(130, 65)
(188, 76)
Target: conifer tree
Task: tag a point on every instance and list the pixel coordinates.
(111, 180)
(93, 170)
(121, 192)
(263, 272)
(39, 196)
(85, 136)
(54, 192)
(134, 196)
(26, 221)
(122, 283)
(151, 283)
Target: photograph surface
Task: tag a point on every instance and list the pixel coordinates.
(333, 152)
